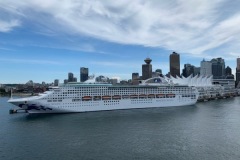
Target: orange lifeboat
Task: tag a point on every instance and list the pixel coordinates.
(116, 97)
(170, 95)
(86, 98)
(151, 96)
(160, 95)
(134, 96)
(125, 96)
(106, 97)
(142, 96)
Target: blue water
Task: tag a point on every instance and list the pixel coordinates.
(207, 130)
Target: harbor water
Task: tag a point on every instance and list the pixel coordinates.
(206, 130)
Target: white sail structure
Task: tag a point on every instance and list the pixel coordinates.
(197, 81)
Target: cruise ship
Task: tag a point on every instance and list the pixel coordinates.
(94, 96)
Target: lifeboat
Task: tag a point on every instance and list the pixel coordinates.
(106, 97)
(125, 96)
(116, 97)
(142, 96)
(151, 96)
(160, 95)
(134, 96)
(86, 98)
(170, 95)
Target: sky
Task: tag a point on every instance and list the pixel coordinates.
(44, 40)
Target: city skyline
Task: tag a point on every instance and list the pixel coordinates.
(43, 41)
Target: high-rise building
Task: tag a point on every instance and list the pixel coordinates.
(206, 68)
(218, 68)
(188, 70)
(228, 70)
(135, 78)
(158, 71)
(113, 81)
(238, 73)
(238, 64)
(70, 77)
(147, 69)
(83, 74)
(56, 82)
(65, 81)
(74, 79)
(174, 64)
(196, 71)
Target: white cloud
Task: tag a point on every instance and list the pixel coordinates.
(193, 27)
(6, 26)
(29, 61)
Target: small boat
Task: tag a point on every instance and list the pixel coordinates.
(106, 98)
(134, 96)
(86, 98)
(125, 96)
(170, 95)
(116, 97)
(160, 95)
(151, 96)
(142, 96)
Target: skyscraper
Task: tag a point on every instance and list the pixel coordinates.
(218, 68)
(70, 77)
(175, 64)
(238, 73)
(83, 74)
(56, 82)
(206, 68)
(188, 70)
(135, 78)
(147, 69)
(228, 70)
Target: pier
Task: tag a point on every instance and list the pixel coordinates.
(205, 95)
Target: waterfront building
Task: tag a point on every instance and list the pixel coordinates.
(224, 82)
(65, 81)
(102, 79)
(238, 73)
(155, 74)
(188, 70)
(218, 68)
(174, 64)
(135, 78)
(228, 70)
(74, 79)
(83, 74)
(124, 82)
(196, 71)
(70, 77)
(205, 68)
(113, 80)
(56, 82)
(147, 69)
(159, 71)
